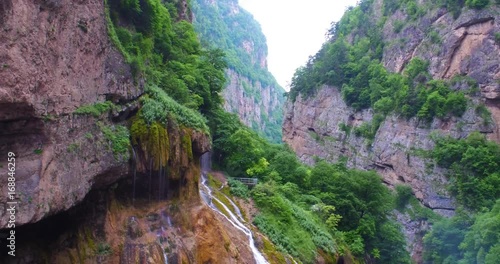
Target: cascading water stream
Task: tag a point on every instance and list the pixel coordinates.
(206, 194)
(236, 208)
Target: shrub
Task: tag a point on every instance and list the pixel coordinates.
(403, 196)
(497, 38)
(95, 110)
(103, 249)
(398, 26)
(238, 188)
(118, 137)
(477, 4)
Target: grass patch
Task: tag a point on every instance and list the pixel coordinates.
(157, 105)
(103, 249)
(94, 110)
(73, 148)
(118, 137)
(484, 113)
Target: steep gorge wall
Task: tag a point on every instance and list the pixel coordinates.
(77, 200)
(313, 125)
(257, 105)
(56, 56)
(321, 126)
(251, 91)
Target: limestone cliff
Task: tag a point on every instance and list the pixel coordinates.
(55, 57)
(258, 105)
(86, 191)
(251, 92)
(322, 125)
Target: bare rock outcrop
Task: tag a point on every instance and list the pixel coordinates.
(55, 56)
(253, 102)
(322, 125)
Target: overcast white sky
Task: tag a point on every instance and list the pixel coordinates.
(295, 29)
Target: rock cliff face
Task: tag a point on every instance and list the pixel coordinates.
(251, 92)
(320, 126)
(257, 105)
(56, 56)
(77, 199)
(129, 223)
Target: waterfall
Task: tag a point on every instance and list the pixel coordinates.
(150, 172)
(206, 194)
(206, 162)
(135, 174)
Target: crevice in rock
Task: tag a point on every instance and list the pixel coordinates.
(436, 207)
(475, 22)
(472, 34)
(5, 6)
(21, 131)
(455, 48)
(383, 165)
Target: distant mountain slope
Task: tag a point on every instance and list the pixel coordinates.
(251, 92)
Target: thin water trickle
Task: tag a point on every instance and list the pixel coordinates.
(135, 174)
(236, 208)
(206, 194)
(150, 172)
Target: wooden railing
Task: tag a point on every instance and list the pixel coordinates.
(248, 181)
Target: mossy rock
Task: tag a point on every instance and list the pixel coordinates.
(153, 142)
(187, 143)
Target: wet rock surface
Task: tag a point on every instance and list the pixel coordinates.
(55, 56)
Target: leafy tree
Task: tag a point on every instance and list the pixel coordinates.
(442, 242)
(475, 168)
(477, 4)
(482, 242)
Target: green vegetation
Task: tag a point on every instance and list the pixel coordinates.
(355, 68)
(238, 188)
(219, 26)
(497, 38)
(118, 138)
(474, 165)
(183, 81)
(167, 53)
(240, 36)
(477, 4)
(484, 113)
(73, 147)
(103, 249)
(398, 26)
(416, 10)
(307, 210)
(157, 106)
(474, 173)
(95, 110)
(403, 196)
(465, 239)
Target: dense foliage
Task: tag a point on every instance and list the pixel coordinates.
(465, 238)
(472, 236)
(236, 32)
(166, 52)
(474, 165)
(351, 61)
(220, 26)
(306, 211)
(363, 80)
